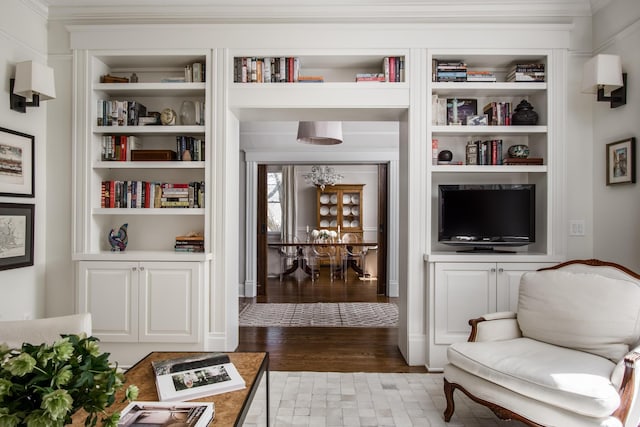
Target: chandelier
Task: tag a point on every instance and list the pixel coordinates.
(322, 176)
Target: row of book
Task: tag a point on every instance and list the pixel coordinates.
(189, 148)
(488, 152)
(458, 71)
(113, 112)
(393, 70)
(119, 147)
(194, 72)
(145, 194)
(267, 70)
(189, 243)
(498, 113)
(180, 380)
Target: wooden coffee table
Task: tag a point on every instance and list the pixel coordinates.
(230, 408)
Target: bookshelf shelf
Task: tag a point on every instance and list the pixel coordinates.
(149, 211)
(148, 130)
(488, 130)
(151, 89)
(149, 165)
(509, 169)
(488, 88)
(129, 255)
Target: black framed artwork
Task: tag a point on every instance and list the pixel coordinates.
(621, 162)
(16, 235)
(17, 158)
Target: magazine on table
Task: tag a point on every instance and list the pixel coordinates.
(196, 376)
(156, 414)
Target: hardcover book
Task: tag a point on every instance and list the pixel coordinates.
(196, 376)
(459, 109)
(152, 414)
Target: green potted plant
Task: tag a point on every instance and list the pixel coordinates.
(44, 385)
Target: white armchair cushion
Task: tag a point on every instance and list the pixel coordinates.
(569, 379)
(48, 330)
(582, 311)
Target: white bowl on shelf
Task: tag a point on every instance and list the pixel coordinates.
(346, 210)
(334, 210)
(355, 210)
(355, 199)
(346, 199)
(333, 223)
(324, 210)
(324, 199)
(346, 223)
(334, 198)
(355, 223)
(324, 223)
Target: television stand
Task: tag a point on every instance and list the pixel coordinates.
(486, 249)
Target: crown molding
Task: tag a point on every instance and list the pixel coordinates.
(208, 11)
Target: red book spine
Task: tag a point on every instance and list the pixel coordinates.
(123, 148)
(112, 192)
(392, 69)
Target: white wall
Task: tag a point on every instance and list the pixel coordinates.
(23, 36)
(617, 208)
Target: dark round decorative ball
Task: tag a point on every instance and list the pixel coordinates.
(445, 156)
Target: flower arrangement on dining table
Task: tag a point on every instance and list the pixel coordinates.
(44, 385)
(323, 234)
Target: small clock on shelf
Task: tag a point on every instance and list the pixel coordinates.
(168, 117)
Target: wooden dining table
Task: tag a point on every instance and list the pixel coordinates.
(302, 245)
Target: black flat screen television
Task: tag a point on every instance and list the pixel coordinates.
(482, 217)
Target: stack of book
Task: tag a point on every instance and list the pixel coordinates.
(187, 414)
(480, 76)
(189, 243)
(450, 71)
(112, 112)
(176, 196)
(196, 376)
(526, 73)
(370, 77)
(310, 79)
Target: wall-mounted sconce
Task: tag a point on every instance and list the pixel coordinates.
(320, 133)
(603, 75)
(33, 83)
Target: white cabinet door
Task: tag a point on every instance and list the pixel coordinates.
(169, 301)
(463, 291)
(109, 291)
(508, 282)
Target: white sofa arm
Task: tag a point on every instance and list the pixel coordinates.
(627, 379)
(495, 327)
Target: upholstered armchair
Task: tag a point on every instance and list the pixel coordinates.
(48, 330)
(568, 357)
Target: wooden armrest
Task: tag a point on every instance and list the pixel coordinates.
(627, 388)
(502, 315)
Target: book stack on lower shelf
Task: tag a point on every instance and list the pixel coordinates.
(196, 376)
(190, 243)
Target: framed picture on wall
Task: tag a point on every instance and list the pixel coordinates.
(621, 162)
(16, 235)
(17, 158)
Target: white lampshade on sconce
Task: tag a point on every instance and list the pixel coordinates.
(320, 133)
(33, 83)
(603, 75)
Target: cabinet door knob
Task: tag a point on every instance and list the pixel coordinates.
(493, 270)
(501, 270)
(141, 268)
(135, 269)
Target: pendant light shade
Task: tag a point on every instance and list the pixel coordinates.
(320, 133)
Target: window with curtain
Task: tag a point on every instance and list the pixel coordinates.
(274, 197)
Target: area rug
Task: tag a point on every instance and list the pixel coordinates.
(342, 314)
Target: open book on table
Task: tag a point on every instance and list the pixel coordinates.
(153, 414)
(196, 376)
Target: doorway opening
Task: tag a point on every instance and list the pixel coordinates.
(365, 218)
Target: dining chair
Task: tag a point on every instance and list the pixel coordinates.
(354, 251)
(325, 250)
(288, 254)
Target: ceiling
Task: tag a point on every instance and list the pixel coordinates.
(312, 10)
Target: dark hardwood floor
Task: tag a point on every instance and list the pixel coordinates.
(325, 349)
